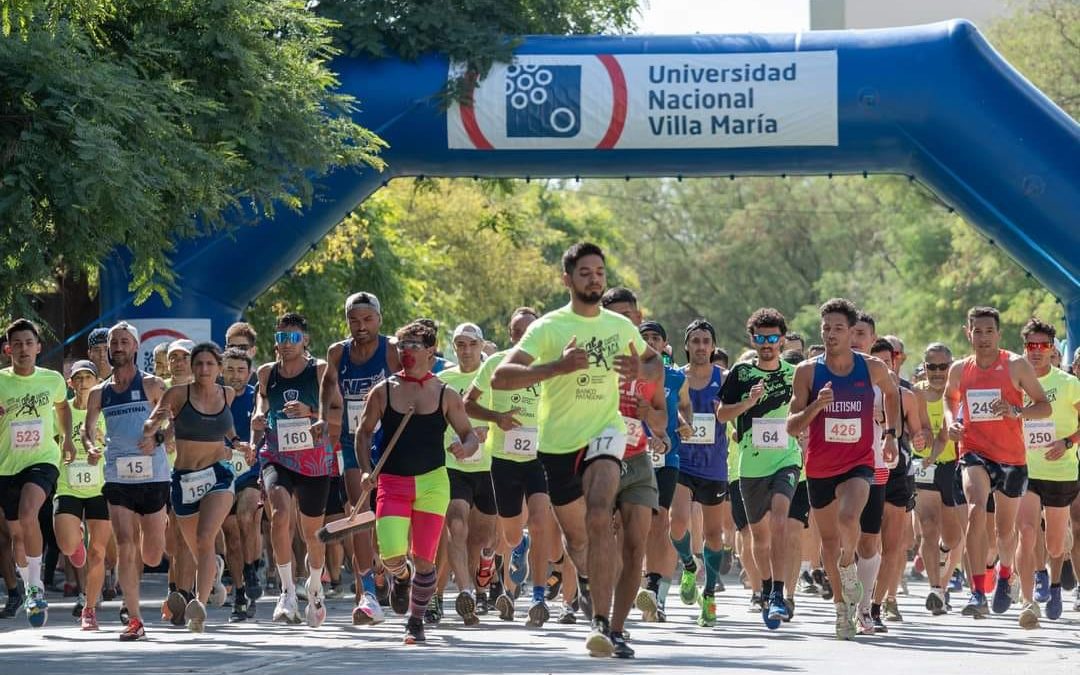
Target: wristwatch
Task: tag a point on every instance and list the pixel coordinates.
(889, 432)
(1068, 443)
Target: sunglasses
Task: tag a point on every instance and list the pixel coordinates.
(938, 366)
(411, 345)
(288, 337)
(767, 339)
(1038, 346)
(239, 345)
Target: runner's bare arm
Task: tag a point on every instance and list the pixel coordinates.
(454, 410)
(330, 401)
(686, 407)
(473, 409)
(262, 405)
(63, 415)
(517, 371)
(951, 398)
(802, 410)
(93, 409)
(1024, 375)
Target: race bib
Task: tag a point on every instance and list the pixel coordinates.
(924, 475)
(354, 412)
(635, 431)
(839, 430)
(238, 462)
(82, 476)
(196, 484)
(980, 404)
(770, 433)
(520, 441)
(610, 443)
(658, 459)
(703, 429)
(1038, 434)
(294, 435)
(26, 435)
(138, 468)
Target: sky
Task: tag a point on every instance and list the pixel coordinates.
(672, 17)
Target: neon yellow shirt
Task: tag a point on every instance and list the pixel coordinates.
(576, 408)
(734, 454)
(80, 479)
(524, 441)
(28, 427)
(1063, 392)
(936, 411)
(460, 382)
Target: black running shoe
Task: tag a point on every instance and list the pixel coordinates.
(482, 604)
(399, 594)
(414, 631)
(1068, 575)
(554, 584)
(434, 612)
(823, 583)
(240, 610)
(14, 602)
(382, 592)
(622, 649)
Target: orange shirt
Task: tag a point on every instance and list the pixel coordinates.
(996, 438)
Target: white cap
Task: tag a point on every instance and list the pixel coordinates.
(181, 345)
(363, 299)
(124, 325)
(469, 330)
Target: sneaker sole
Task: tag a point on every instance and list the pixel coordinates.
(1029, 621)
(646, 602)
(177, 605)
(506, 608)
(599, 646)
(465, 606)
(538, 614)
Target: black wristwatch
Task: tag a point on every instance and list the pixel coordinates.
(889, 432)
(159, 437)
(1068, 443)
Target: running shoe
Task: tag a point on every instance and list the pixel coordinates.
(553, 585)
(434, 612)
(335, 590)
(756, 605)
(1002, 597)
(646, 602)
(707, 616)
(875, 614)
(175, 603)
(133, 631)
(538, 614)
(14, 602)
(806, 584)
(125, 615)
(823, 583)
(109, 588)
(776, 613)
(866, 623)
(917, 568)
(584, 604)
(844, 629)
(726, 559)
(790, 604)
(399, 592)
(287, 609)
(852, 588)
(519, 561)
(315, 612)
(567, 616)
(301, 588)
(1042, 586)
(935, 602)
(688, 590)
(956, 583)
(37, 607)
(1068, 575)
(465, 606)
(195, 612)
(620, 648)
(240, 610)
(382, 591)
(598, 643)
(1076, 600)
(482, 604)
(252, 587)
(80, 603)
(368, 612)
(1053, 605)
(892, 610)
(414, 631)
(88, 620)
(219, 594)
(1014, 589)
(505, 606)
(1029, 616)
(976, 606)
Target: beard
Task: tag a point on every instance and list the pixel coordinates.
(587, 297)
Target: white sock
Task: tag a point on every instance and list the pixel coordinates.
(34, 569)
(285, 575)
(867, 569)
(804, 566)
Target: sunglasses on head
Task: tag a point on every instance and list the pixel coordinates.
(938, 366)
(767, 339)
(1038, 346)
(283, 337)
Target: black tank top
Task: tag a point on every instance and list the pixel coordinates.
(420, 447)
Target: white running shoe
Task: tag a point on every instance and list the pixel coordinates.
(218, 595)
(195, 613)
(287, 610)
(866, 623)
(843, 622)
(1030, 615)
(301, 589)
(316, 608)
(368, 612)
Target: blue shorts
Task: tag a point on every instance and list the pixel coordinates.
(220, 478)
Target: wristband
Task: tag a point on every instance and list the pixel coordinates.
(889, 432)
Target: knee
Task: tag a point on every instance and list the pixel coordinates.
(598, 520)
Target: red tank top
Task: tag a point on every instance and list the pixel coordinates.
(996, 438)
(636, 440)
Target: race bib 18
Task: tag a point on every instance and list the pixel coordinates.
(703, 429)
(82, 476)
(839, 430)
(980, 404)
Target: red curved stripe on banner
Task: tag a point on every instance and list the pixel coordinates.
(468, 119)
(158, 332)
(618, 102)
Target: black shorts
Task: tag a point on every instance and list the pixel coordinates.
(667, 477)
(800, 505)
(1054, 494)
(945, 481)
(42, 475)
(563, 473)
(704, 491)
(83, 508)
(874, 511)
(311, 492)
(514, 482)
(475, 488)
(757, 492)
(1008, 479)
(336, 499)
(142, 498)
(823, 490)
(738, 511)
(900, 491)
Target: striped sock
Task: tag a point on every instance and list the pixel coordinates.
(423, 586)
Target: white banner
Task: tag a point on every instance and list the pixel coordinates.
(639, 101)
(153, 332)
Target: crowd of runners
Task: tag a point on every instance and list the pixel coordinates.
(576, 475)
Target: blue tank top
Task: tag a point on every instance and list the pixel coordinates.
(125, 412)
(354, 382)
(700, 460)
(673, 383)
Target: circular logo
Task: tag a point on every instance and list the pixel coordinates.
(582, 380)
(515, 398)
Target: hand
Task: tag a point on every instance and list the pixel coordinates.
(1002, 408)
(147, 444)
(251, 453)
(956, 431)
(507, 421)
(69, 451)
(573, 358)
(367, 484)
(320, 429)
(659, 443)
(93, 455)
(685, 431)
(758, 390)
(458, 451)
(294, 409)
(889, 451)
(628, 366)
(926, 463)
(258, 422)
(825, 397)
(1056, 451)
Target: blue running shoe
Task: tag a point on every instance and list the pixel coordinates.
(1053, 605)
(1002, 599)
(1042, 586)
(956, 583)
(37, 608)
(776, 612)
(976, 606)
(519, 561)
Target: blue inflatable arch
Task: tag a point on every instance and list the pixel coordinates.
(935, 102)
